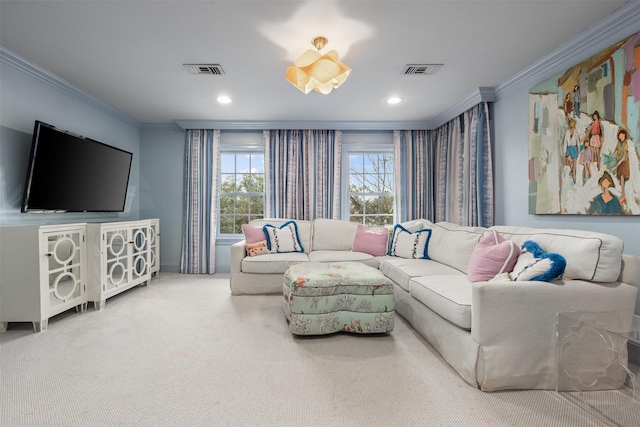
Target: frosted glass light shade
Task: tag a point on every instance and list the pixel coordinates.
(313, 71)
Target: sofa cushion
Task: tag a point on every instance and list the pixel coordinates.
(590, 255)
(407, 244)
(272, 263)
(449, 296)
(333, 234)
(452, 244)
(493, 255)
(402, 270)
(374, 241)
(342, 256)
(304, 229)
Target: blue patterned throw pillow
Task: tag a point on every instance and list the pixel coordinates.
(284, 238)
(536, 264)
(405, 244)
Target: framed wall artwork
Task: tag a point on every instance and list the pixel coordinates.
(584, 133)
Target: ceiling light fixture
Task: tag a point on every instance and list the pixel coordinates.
(394, 100)
(223, 99)
(313, 71)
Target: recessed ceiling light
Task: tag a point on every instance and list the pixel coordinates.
(394, 100)
(224, 99)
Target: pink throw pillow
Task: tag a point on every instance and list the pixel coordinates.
(253, 234)
(370, 241)
(492, 255)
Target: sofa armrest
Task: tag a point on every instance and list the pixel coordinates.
(238, 252)
(514, 324)
(528, 309)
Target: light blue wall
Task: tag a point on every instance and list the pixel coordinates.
(511, 145)
(26, 98)
(161, 188)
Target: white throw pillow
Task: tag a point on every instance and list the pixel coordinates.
(284, 238)
(405, 244)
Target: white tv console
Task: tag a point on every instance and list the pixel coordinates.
(48, 269)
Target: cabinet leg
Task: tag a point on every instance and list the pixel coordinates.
(40, 326)
(4, 326)
(81, 308)
(99, 305)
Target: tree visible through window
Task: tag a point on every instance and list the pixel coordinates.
(371, 188)
(241, 190)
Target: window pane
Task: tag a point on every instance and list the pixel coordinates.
(228, 183)
(386, 220)
(355, 163)
(356, 183)
(242, 182)
(257, 205)
(386, 185)
(356, 205)
(242, 163)
(258, 180)
(226, 205)
(386, 165)
(370, 220)
(226, 225)
(356, 219)
(372, 205)
(239, 221)
(371, 163)
(227, 163)
(242, 205)
(386, 204)
(257, 163)
(372, 182)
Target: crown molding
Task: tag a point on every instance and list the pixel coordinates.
(320, 125)
(483, 94)
(22, 65)
(616, 26)
(160, 126)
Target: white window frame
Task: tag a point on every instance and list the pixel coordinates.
(238, 150)
(360, 148)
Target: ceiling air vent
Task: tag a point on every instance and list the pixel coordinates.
(427, 69)
(210, 69)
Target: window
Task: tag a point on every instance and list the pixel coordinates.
(371, 188)
(241, 189)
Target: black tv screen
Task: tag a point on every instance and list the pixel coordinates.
(71, 173)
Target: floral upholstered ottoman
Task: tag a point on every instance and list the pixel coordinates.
(322, 298)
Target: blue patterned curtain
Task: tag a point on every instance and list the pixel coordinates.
(464, 169)
(202, 160)
(415, 156)
(447, 174)
(303, 173)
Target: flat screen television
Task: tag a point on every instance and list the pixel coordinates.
(71, 173)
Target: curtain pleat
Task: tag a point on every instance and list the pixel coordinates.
(303, 173)
(447, 174)
(414, 164)
(202, 159)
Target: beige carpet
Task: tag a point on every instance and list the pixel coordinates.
(183, 351)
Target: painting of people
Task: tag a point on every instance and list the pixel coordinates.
(584, 136)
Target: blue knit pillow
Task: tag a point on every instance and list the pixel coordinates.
(536, 264)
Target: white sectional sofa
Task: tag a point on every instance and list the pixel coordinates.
(495, 334)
